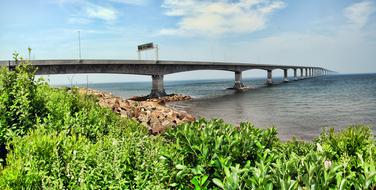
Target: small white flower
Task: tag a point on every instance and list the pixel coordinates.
(327, 164)
(319, 147)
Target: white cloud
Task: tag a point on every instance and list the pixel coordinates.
(206, 17)
(88, 11)
(100, 12)
(358, 13)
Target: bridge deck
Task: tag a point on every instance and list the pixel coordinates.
(150, 62)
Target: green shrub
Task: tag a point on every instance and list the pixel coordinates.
(20, 105)
(56, 160)
(354, 141)
(68, 110)
(207, 148)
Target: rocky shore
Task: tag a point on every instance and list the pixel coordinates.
(152, 113)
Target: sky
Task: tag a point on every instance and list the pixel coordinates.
(339, 35)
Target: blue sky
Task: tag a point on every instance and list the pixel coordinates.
(337, 34)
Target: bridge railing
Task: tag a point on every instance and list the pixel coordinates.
(9, 64)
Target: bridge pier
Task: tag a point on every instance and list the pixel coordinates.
(295, 74)
(285, 78)
(269, 80)
(238, 81)
(306, 73)
(301, 73)
(157, 89)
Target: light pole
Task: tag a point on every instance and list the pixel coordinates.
(29, 50)
(79, 45)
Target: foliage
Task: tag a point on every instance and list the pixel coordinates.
(20, 105)
(355, 141)
(207, 148)
(60, 139)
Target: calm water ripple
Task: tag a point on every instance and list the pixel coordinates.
(299, 109)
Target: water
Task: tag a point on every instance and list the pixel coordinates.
(299, 108)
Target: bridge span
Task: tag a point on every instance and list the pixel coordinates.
(157, 69)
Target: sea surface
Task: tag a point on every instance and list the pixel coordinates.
(298, 109)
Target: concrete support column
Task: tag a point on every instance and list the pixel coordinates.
(310, 72)
(269, 80)
(238, 80)
(157, 89)
(306, 72)
(301, 73)
(295, 75)
(285, 78)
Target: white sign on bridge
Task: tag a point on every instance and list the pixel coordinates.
(147, 46)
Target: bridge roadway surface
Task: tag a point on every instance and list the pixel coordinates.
(157, 69)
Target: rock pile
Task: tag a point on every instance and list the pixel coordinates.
(151, 113)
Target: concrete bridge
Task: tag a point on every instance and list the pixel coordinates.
(157, 69)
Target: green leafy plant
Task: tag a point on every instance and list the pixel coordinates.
(200, 183)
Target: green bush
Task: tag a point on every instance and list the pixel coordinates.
(55, 160)
(257, 160)
(206, 148)
(20, 104)
(352, 142)
(68, 110)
